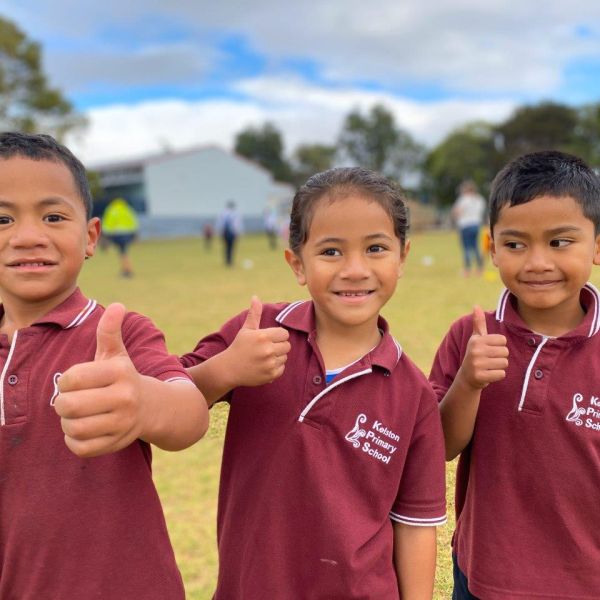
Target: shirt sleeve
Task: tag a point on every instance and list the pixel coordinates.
(146, 346)
(421, 499)
(447, 361)
(214, 343)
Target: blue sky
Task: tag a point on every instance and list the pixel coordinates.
(152, 74)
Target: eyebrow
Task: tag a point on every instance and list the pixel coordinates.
(45, 202)
(371, 236)
(555, 231)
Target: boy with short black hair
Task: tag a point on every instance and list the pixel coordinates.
(518, 391)
(73, 523)
(332, 479)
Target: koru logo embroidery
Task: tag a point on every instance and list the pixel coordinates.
(354, 435)
(373, 441)
(586, 416)
(55, 393)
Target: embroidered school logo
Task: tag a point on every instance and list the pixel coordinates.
(586, 416)
(354, 435)
(55, 393)
(376, 442)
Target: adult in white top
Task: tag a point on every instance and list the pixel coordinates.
(468, 212)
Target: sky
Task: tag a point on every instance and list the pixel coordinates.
(152, 75)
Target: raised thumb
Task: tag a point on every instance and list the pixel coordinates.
(479, 324)
(109, 341)
(254, 313)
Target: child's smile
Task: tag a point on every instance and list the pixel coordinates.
(544, 250)
(350, 262)
(44, 234)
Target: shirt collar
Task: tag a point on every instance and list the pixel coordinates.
(590, 299)
(72, 312)
(301, 316)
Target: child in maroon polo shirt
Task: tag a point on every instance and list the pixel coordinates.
(79, 514)
(519, 391)
(332, 479)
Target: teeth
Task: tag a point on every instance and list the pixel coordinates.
(353, 293)
(36, 264)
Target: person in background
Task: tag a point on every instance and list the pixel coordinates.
(208, 233)
(271, 227)
(120, 226)
(468, 212)
(229, 226)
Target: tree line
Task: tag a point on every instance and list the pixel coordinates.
(476, 150)
(370, 138)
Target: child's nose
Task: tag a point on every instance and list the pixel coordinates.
(27, 235)
(538, 259)
(356, 267)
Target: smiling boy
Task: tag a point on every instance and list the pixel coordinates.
(79, 514)
(518, 391)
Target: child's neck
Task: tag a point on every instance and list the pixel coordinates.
(19, 314)
(342, 347)
(553, 322)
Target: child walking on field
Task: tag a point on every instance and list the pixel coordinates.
(332, 480)
(83, 393)
(519, 390)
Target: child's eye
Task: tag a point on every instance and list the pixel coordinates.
(560, 243)
(331, 252)
(514, 245)
(4, 220)
(54, 218)
(376, 248)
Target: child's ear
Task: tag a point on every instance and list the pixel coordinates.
(93, 233)
(596, 260)
(296, 263)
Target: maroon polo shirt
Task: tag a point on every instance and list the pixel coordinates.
(312, 474)
(76, 528)
(528, 484)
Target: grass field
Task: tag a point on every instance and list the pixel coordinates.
(188, 293)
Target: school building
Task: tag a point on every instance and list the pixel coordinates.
(176, 193)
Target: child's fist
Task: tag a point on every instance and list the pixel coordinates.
(99, 402)
(486, 359)
(257, 355)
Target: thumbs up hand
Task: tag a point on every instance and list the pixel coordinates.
(486, 358)
(257, 356)
(100, 402)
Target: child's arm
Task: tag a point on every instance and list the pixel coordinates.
(485, 361)
(107, 404)
(255, 357)
(414, 559)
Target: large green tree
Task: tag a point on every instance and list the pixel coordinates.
(544, 126)
(28, 102)
(467, 153)
(312, 158)
(264, 145)
(375, 141)
(587, 134)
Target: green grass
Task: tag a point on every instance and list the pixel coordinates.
(188, 293)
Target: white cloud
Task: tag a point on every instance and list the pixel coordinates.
(457, 45)
(159, 65)
(303, 114)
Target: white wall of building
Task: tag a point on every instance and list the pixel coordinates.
(198, 183)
